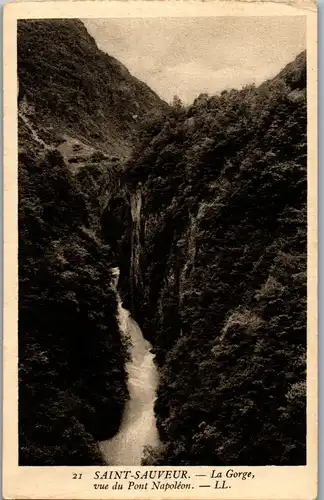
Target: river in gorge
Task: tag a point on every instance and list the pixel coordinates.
(138, 427)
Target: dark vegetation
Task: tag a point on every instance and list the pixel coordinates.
(213, 265)
(222, 277)
(72, 383)
(71, 360)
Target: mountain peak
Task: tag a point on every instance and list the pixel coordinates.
(76, 92)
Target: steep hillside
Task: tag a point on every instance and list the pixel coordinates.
(218, 194)
(78, 107)
(74, 96)
(72, 387)
(294, 74)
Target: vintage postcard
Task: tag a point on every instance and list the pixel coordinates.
(160, 227)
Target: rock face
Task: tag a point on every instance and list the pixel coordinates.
(220, 252)
(77, 95)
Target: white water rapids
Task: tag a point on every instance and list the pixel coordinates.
(138, 427)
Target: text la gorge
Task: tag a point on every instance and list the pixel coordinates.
(232, 474)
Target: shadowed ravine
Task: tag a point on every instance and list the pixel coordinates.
(138, 427)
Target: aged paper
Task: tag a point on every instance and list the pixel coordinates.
(157, 235)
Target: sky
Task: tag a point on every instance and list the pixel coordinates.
(189, 56)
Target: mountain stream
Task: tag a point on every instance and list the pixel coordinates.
(138, 427)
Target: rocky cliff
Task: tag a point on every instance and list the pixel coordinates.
(219, 273)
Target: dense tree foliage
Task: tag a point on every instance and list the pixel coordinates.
(221, 279)
(71, 360)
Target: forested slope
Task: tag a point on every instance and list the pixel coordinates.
(77, 107)
(71, 359)
(219, 271)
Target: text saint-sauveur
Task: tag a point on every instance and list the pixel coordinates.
(137, 474)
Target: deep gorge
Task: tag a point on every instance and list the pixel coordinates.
(206, 219)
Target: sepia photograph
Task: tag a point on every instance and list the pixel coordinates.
(162, 181)
(160, 201)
